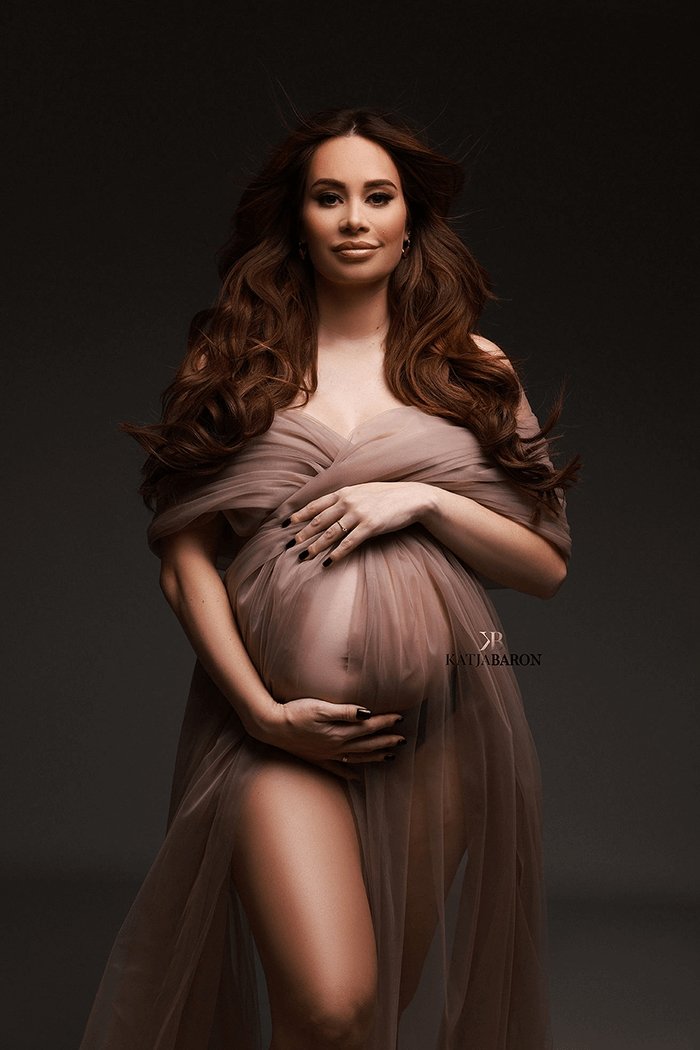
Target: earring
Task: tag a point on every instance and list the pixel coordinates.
(406, 246)
(302, 249)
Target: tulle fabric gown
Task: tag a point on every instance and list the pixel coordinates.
(450, 832)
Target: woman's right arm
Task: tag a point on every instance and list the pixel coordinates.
(311, 728)
(196, 594)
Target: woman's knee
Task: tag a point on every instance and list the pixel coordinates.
(337, 1020)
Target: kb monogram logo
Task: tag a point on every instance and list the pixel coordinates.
(492, 637)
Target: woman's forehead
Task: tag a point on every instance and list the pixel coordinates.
(352, 158)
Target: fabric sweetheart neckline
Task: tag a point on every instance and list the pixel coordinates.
(364, 423)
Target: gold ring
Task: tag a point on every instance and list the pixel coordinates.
(342, 527)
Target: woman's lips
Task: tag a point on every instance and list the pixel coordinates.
(354, 253)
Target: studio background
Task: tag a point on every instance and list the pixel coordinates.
(130, 133)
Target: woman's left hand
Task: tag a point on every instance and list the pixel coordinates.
(364, 510)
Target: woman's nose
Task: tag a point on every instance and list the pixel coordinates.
(353, 218)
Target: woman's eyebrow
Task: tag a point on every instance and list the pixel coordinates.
(341, 185)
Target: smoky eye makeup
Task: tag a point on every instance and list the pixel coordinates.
(378, 198)
(322, 198)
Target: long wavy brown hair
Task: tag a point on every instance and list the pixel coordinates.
(255, 349)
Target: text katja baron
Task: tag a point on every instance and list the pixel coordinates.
(487, 655)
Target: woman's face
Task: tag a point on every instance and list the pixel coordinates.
(353, 196)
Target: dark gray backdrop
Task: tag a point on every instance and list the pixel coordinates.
(130, 133)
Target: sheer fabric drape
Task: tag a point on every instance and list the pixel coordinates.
(450, 832)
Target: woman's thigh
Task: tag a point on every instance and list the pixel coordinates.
(297, 870)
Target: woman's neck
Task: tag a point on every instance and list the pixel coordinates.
(351, 315)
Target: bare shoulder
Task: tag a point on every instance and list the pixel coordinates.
(491, 348)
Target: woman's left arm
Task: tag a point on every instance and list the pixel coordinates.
(500, 549)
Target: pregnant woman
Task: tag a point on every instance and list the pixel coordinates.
(341, 467)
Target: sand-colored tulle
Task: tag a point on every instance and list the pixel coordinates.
(450, 833)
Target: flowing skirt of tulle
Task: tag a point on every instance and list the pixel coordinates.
(450, 838)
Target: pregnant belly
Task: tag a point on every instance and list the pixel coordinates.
(369, 629)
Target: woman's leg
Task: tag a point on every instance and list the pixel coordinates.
(436, 847)
(296, 867)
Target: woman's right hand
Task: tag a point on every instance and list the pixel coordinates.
(322, 733)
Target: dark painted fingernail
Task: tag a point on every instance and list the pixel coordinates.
(400, 743)
(328, 561)
(389, 758)
(304, 554)
(362, 712)
(400, 718)
(287, 521)
(290, 544)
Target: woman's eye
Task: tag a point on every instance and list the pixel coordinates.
(378, 199)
